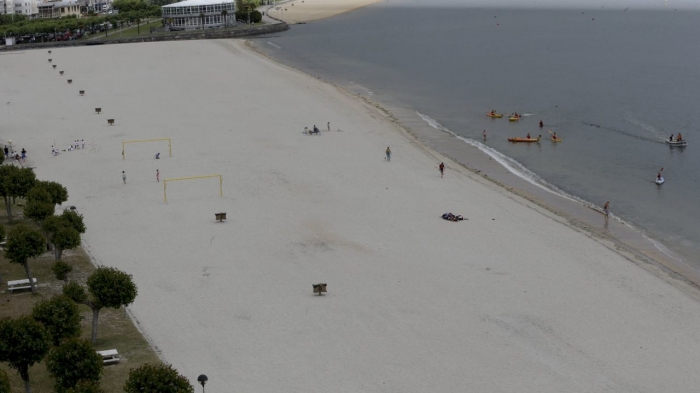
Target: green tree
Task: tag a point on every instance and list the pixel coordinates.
(64, 231)
(39, 206)
(4, 382)
(73, 361)
(14, 182)
(86, 387)
(108, 287)
(2, 157)
(23, 342)
(159, 378)
(24, 243)
(61, 270)
(60, 317)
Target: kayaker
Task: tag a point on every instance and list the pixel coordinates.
(658, 176)
(670, 138)
(554, 136)
(528, 135)
(541, 124)
(679, 137)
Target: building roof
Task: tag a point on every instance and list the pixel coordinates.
(192, 3)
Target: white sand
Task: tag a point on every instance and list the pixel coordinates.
(511, 300)
(308, 10)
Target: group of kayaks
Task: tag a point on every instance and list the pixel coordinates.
(495, 115)
(528, 139)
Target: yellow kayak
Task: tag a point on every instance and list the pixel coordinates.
(555, 140)
(494, 115)
(524, 139)
(514, 118)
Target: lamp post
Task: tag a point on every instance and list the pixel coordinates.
(202, 379)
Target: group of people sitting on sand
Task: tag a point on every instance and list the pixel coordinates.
(452, 217)
(313, 131)
(679, 138)
(77, 144)
(14, 154)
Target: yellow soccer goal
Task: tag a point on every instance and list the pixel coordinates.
(170, 145)
(165, 184)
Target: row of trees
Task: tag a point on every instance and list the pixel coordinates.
(49, 26)
(51, 332)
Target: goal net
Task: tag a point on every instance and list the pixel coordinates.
(165, 184)
(170, 145)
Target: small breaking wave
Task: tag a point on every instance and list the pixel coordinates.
(531, 177)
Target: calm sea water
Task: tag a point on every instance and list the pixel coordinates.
(612, 83)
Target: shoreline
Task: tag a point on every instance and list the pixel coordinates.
(313, 10)
(633, 241)
(415, 303)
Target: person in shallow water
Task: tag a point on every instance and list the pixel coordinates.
(541, 124)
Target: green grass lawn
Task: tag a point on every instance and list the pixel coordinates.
(132, 31)
(115, 327)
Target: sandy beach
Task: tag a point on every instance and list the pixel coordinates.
(296, 11)
(511, 299)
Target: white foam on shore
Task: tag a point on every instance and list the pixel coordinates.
(531, 177)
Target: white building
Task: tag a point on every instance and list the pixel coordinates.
(187, 15)
(7, 7)
(59, 9)
(27, 8)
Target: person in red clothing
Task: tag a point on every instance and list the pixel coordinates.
(442, 169)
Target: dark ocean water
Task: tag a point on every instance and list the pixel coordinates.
(614, 84)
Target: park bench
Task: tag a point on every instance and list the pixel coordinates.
(220, 216)
(70, 81)
(54, 66)
(98, 110)
(110, 121)
(19, 284)
(60, 72)
(109, 356)
(50, 60)
(320, 288)
(82, 92)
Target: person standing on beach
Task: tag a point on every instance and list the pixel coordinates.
(158, 176)
(124, 177)
(329, 126)
(606, 208)
(388, 154)
(442, 169)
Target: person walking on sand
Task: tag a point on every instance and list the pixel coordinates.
(606, 208)
(124, 177)
(158, 176)
(388, 154)
(442, 169)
